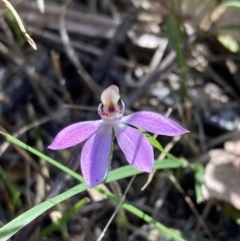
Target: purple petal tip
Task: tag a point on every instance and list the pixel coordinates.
(51, 146)
(95, 155)
(155, 123)
(183, 131)
(74, 134)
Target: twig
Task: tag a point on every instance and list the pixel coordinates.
(206, 211)
(192, 206)
(162, 190)
(62, 81)
(88, 49)
(26, 157)
(116, 210)
(201, 132)
(162, 156)
(34, 78)
(20, 24)
(102, 65)
(72, 56)
(186, 119)
(220, 81)
(154, 63)
(222, 138)
(165, 64)
(28, 127)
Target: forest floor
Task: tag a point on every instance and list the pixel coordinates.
(179, 58)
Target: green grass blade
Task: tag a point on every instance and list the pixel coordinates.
(199, 180)
(15, 225)
(175, 35)
(122, 172)
(21, 221)
(155, 143)
(231, 4)
(44, 157)
(129, 171)
(13, 24)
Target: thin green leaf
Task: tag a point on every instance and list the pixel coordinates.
(129, 171)
(171, 158)
(175, 35)
(15, 225)
(231, 4)
(44, 157)
(126, 171)
(199, 179)
(11, 20)
(155, 143)
(8, 230)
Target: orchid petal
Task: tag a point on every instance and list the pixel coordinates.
(154, 123)
(95, 156)
(74, 134)
(137, 149)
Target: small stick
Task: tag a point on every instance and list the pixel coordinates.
(161, 157)
(116, 210)
(70, 52)
(191, 205)
(20, 24)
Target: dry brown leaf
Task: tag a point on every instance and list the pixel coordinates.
(222, 176)
(232, 147)
(95, 195)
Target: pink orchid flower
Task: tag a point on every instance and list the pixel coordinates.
(99, 135)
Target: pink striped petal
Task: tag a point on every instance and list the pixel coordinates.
(74, 134)
(137, 149)
(154, 123)
(95, 156)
